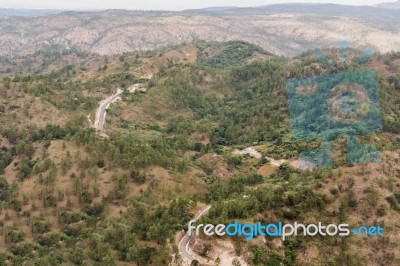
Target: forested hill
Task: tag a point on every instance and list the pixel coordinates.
(70, 196)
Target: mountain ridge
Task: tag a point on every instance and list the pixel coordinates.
(281, 29)
(395, 5)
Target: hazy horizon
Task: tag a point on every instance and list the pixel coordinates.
(174, 5)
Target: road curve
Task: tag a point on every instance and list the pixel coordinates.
(101, 111)
(183, 245)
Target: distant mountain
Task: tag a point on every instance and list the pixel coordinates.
(27, 12)
(287, 29)
(393, 5)
(213, 9)
(369, 12)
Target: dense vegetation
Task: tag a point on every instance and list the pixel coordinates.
(227, 55)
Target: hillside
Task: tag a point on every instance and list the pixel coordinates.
(280, 29)
(69, 196)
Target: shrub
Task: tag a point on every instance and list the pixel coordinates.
(13, 235)
(382, 210)
(100, 163)
(138, 177)
(40, 227)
